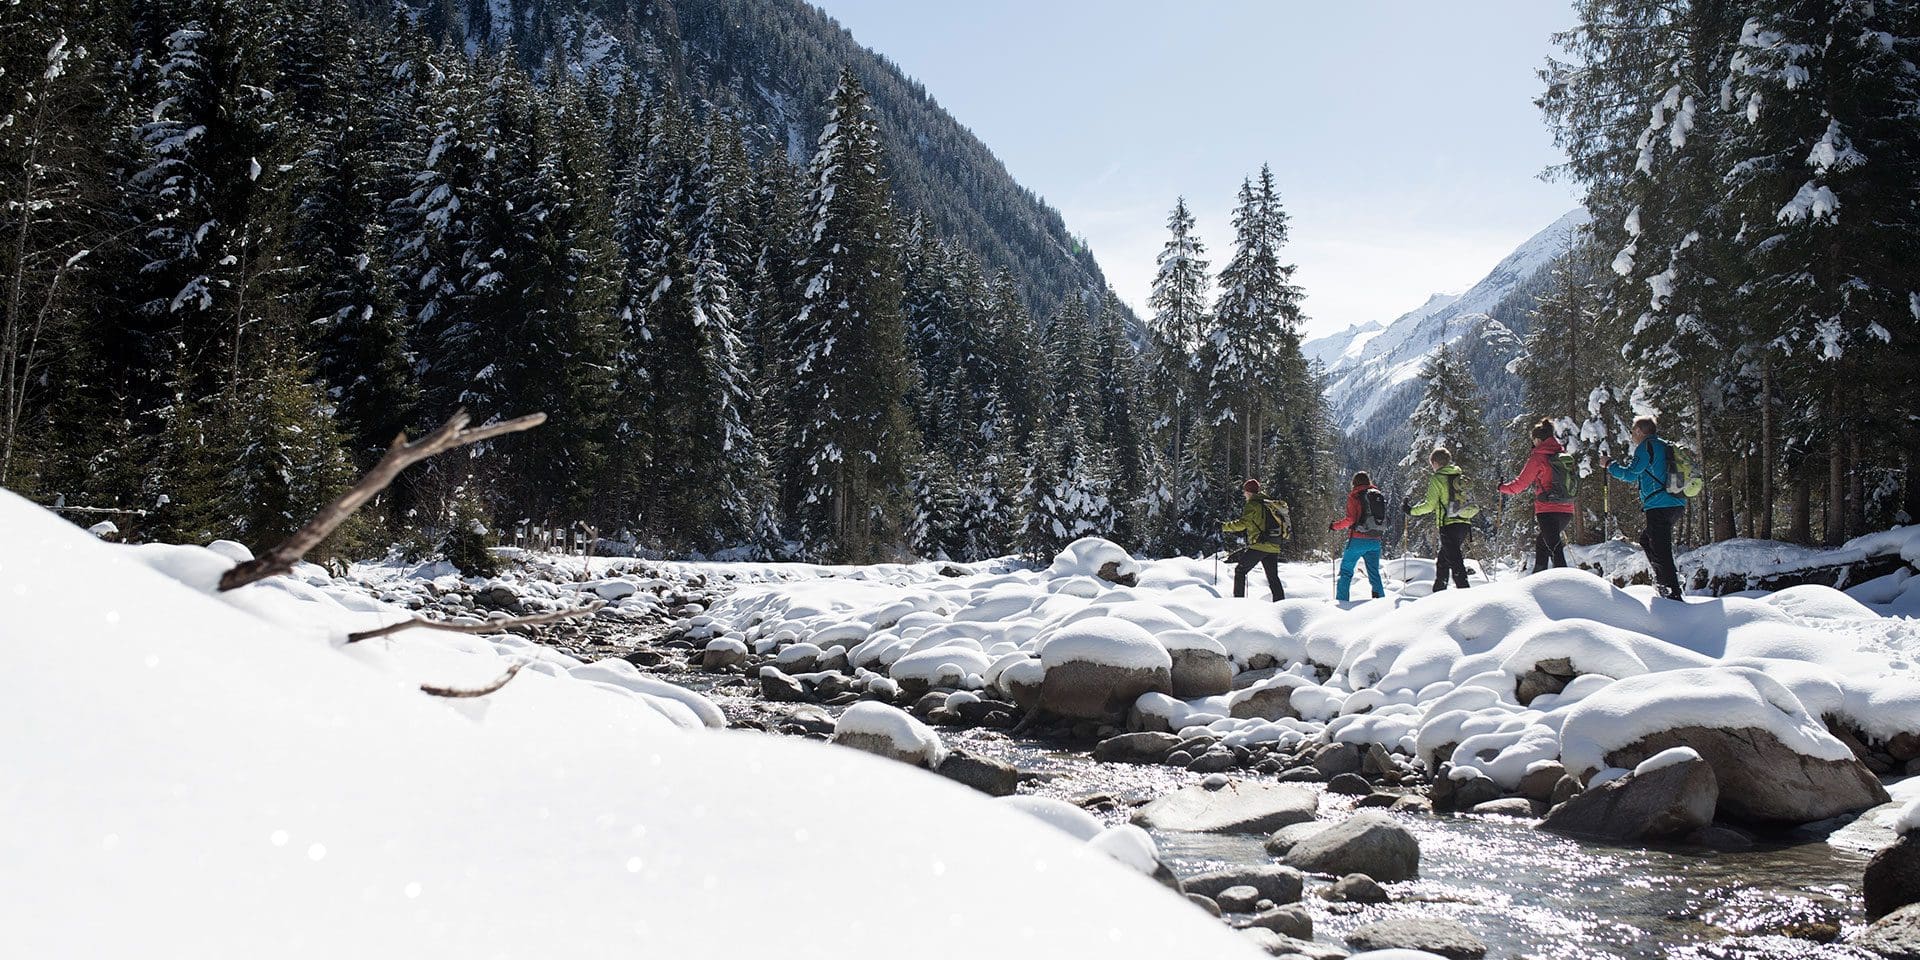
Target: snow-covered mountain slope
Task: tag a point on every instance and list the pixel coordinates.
(1373, 369)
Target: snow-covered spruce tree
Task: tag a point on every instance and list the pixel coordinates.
(852, 435)
(1017, 358)
(1253, 344)
(1112, 420)
(1826, 190)
(1175, 334)
(58, 95)
(712, 480)
(208, 140)
(1450, 415)
(339, 238)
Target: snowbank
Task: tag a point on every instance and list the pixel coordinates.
(224, 777)
(1437, 677)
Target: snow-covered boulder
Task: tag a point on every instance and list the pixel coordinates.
(1095, 557)
(1670, 795)
(1199, 664)
(1096, 668)
(890, 732)
(1269, 699)
(1241, 806)
(1775, 764)
(1368, 842)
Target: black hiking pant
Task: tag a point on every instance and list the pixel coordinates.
(1453, 556)
(1549, 546)
(1657, 541)
(1246, 560)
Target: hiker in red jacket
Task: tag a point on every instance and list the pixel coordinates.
(1365, 522)
(1553, 505)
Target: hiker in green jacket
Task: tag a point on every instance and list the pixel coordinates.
(1263, 543)
(1447, 501)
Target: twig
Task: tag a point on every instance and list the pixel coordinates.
(462, 693)
(491, 626)
(399, 456)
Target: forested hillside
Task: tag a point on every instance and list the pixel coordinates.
(249, 243)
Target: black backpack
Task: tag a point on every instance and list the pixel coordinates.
(1565, 480)
(1373, 512)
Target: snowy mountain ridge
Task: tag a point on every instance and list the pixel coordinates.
(1372, 369)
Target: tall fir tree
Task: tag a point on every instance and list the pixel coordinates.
(852, 437)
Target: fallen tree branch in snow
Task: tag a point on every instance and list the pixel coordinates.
(399, 456)
(460, 693)
(491, 626)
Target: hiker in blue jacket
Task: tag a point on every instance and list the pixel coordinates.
(1648, 472)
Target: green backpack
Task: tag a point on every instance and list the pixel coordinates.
(1680, 479)
(1279, 524)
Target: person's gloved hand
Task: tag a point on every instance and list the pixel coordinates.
(1406, 505)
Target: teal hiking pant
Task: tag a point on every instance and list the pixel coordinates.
(1360, 548)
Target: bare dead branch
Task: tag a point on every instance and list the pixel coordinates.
(458, 692)
(491, 626)
(399, 456)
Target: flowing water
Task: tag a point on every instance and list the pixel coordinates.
(1524, 892)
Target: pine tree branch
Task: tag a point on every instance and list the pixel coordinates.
(466, 692)
(399, 456)
(491, 626)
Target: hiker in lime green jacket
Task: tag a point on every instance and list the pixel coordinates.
(1263, 542)
(1447, 501)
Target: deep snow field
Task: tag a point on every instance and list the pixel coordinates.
(196, 773)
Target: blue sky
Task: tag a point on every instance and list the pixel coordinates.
(1402, 134)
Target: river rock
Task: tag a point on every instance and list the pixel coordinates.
(1243, 806)
(780, 688)
(1290, 920)
(1448, 793)
(1895, 936)
(1204, 903)
(1136, 748)
(1302, 775)
(1437, 935)
(1718, 837)
(985, 774)
(723, 655)
(1368, 842)
(1381, 799)
(1893, 877)
(1264, 703)
(1357, 888)
(1272, 882)
(1763, 781)
(1519, 807)
(1659, 804)
(1239, 898)
(1335, 759)
(1281, 945)
(1350, 784)
(1198, 672)
(1284, 839)
(1412, 803)
(1538, 782)
(1904, 746)
(1566, 789)
(1536, 683)
(1215, 760)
